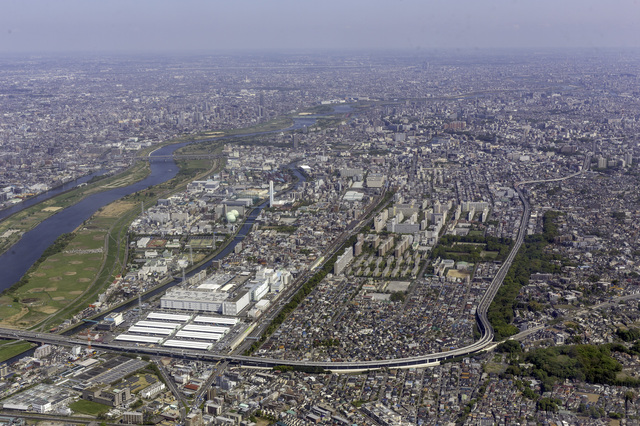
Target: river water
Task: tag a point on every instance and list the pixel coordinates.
(19, 258)
(4, 213)
(15, 262)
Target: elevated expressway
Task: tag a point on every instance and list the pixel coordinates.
(484, 327)
(485, 341)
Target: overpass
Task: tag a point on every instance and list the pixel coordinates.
(485, 341)
(484, 327)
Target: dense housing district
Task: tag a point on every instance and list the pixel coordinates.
(372, 230)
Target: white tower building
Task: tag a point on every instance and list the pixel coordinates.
(270, 193)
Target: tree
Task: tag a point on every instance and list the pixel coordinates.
(548, 404)
(629, 396)
(397, 296)
(510, 346)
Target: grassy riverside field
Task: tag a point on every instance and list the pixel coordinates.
(17, 224)
(68, 281)
(278, 123)
(11, 348)
(268, 126)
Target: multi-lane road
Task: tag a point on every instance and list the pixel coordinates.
(485, 341)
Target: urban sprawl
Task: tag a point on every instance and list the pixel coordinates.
(362, 218)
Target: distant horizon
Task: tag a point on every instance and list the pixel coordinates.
(323, 51)
(159, 26)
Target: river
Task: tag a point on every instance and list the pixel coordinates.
(15, 262)
(19, 258)
(4, 213)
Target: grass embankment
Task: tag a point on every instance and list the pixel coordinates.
(67, 281)
(17, 224)
(212, 138)
(276, 124)
(60, 281)
(11, 348)
(279, 123)
(325, 123)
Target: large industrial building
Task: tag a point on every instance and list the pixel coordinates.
(223, 294)
(237, 303)
(205, 301)
(178, 331)
(259, 290)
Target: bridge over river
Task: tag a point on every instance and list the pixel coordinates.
(176, 157)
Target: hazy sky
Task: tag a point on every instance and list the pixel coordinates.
(214, 25)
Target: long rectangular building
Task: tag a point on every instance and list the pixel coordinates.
(187, 344)
(220, 321)
(343, 260)
(206, 329)
(149, 330)
(214, 337)
(236, 303)
(138, 339)
(157, 324)
(168, 317)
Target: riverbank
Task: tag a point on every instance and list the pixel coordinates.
(54, 291)
(11, 348)
(13, 227)
(42, 311)
(58, 189)
(20, 222)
